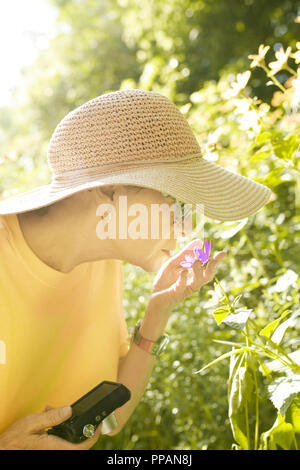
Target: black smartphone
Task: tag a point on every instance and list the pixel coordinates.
(90, 410)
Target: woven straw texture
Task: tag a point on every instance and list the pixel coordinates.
(138, 137)
(121, 127)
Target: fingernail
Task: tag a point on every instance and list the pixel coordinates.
(223, 253)
(65, 411)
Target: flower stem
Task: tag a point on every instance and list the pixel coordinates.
(289, 69)
(268, 352)
(227, 299)
(256, 403)
(274, 79)
(275, 346)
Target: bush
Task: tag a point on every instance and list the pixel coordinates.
(251, 318)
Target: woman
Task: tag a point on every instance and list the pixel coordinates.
(61, 312)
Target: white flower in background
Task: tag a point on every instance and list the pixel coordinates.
(282, 58)
(241, 82)
(242, 106)
(250, 120)
(216, 296)
(213, 137)
(185, 108)
(258, 58)
(210, 146)
(285, 281)
(296, 55)
(296, 90)
(264, 108)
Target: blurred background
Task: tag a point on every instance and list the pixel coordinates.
(58, 54)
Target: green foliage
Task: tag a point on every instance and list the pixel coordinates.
(280, 436)
(193, 41)
(230, 376)
(258, 310)
(244, 396)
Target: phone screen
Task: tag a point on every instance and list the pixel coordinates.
(93, 397)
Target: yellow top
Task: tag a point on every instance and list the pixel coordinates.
(61, 333)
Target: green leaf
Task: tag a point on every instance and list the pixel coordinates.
(233, 382)
(247, 285)
(220, 358)
(281, 434)
(235, 301)
(280, 331)
(220, 313)
(285, 148)
(277, 366)
(240, 392)
(237, 321)
(283, 390)
(229, 343)
(272, 179)
(238, 434)
(264, 370)
(263, 137)
(260, 156)
(268, 330)
(293, 414)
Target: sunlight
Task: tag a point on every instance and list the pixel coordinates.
(25, 27)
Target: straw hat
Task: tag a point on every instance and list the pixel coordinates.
(141, 138)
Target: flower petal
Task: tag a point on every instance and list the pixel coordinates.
(189, 258)
(186, 264)
(207, 247)
(197, 251)
(202, 257)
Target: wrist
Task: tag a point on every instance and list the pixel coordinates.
(154, 347)
(154, 308)
(153, 324)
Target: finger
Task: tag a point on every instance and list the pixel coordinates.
(48, 407)
(178, 290)
(198, 280)
(183, 287)
(183, 276)
(51, 442)
(90, 442)
(186, 250)
(57, 443)
(212, 265)
(47, 419)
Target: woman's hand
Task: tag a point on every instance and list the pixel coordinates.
(173, 283)
(29, 433)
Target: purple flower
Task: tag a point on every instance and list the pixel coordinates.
(202, 255)
(189, 261)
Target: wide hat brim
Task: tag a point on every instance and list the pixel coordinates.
(224, 195)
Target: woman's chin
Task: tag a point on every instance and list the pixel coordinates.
(153, 265)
